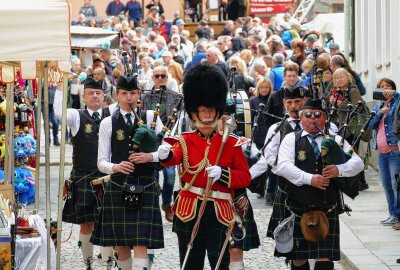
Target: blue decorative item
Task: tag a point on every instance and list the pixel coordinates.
(24, 186)
(30, 183)
(30, 145)
(19, 147)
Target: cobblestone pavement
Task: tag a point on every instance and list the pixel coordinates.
(168, 258)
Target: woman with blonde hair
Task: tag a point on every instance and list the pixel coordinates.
(262, 92)
(343, 93)
(242, 79)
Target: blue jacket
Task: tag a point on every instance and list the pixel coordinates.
(134, 10)
(276, 76)
(374, 124)
(113, 9)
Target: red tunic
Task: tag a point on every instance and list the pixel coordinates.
(235, 172)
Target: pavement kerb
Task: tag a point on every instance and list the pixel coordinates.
(56, 163)
(346, 259)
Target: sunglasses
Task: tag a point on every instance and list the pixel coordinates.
(158, 76)
(310, 114)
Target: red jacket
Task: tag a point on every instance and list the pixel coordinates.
(231, 158)
(235, 172)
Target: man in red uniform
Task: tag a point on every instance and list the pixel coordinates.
(205, 91)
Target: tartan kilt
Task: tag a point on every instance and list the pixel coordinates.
(82, 206)
(279, 212)
(119, 225)
(252, 239)
(302, 249)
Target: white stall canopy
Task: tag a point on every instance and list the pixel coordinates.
(330, 23)
(34, 31)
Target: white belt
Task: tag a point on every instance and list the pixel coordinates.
(214, 194)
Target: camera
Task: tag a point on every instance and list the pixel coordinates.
(378, 94)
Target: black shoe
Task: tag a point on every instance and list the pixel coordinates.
(363, 186)
(56, 142)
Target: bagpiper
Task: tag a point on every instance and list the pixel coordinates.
(130, 216)
(81, 206)
(310, 225)
(205, 91)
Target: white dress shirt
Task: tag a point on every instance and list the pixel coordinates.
(104, 152)
(260, 166)
(288, 170)
(271, 151)
(73, 118)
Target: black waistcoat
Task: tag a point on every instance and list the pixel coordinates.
(86, 141)
(307, 195)
(285, 129)
(121, 143)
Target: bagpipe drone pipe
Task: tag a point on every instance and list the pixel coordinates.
(332, 153)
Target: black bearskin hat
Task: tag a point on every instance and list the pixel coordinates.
(205, 85)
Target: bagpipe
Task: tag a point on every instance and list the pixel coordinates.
(153, 124)
(131, 68)
(315, 85)
(166, 130)
(359, 115)
(332, 153)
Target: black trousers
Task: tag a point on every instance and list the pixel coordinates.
(210, 238)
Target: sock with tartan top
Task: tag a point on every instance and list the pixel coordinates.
(125, 265)
(140, 264)
(150, 256)
(236, 265)
(86, 246)
(106, 257)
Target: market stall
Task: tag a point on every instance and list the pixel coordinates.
(37, 47)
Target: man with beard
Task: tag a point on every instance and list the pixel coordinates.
(293, 102)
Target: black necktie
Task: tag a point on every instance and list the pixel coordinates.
(129, 122)
(297, 125)
(96, 117)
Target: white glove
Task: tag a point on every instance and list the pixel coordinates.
(214, 172)
(163, 151)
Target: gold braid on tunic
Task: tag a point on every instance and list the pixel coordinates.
(195, 169)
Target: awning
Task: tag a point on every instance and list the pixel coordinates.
(330, 23)
(94, 38)
(33, 31)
